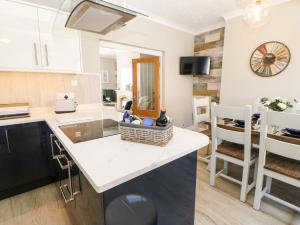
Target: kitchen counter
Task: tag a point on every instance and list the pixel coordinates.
(108, 162)
(83, 112)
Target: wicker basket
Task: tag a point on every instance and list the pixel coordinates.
(145, 134)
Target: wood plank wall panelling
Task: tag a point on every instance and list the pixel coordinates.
(210, 44)
(41, 89)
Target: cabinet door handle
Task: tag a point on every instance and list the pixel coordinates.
(7, 142)
(52, 147)
(46, 54)
(35, 54)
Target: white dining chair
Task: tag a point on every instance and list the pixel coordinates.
(201, 114)
(277, 159)
(201, 110)
(239, 151)
(297, 108)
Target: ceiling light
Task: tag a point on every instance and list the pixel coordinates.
(5, 40)
(257, 13)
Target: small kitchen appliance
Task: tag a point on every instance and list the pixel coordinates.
(14, 110)
(65, 105)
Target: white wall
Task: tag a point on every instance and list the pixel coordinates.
(177, 91)
(109, 65)
(124, 68)
(239, 84)
(90, 53)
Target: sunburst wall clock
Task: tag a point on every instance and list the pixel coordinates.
(270, 59)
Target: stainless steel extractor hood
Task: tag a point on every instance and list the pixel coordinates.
(99, 17)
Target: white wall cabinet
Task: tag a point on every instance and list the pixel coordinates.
(19, 37)
(60, 47)
(35, 39)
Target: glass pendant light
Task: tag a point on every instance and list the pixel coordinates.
(257, 13)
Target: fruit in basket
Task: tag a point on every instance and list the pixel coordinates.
(136, 122)
(136, 118)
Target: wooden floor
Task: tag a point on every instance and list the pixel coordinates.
(221, 205)
(215, 205)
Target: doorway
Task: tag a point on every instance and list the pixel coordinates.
(131, 79)
(146, 86)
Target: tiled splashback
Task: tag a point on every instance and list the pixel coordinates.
(210, 44)
(41, 89)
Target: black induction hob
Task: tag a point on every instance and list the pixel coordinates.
(91, 130)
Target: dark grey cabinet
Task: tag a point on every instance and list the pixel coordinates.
(171, 187)
(25, 158)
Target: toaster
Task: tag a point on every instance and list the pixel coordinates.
(65, 105)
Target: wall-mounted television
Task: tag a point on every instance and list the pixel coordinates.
(109, 95)
(195, 65)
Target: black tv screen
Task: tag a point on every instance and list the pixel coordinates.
(109, 94)
(196, 65)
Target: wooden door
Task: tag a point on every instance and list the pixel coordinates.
(146, 87)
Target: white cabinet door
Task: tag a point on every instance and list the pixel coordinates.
(19, 37)
(60, 46)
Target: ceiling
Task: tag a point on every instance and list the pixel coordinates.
(188, 15)
(49, 3)
(192, 16)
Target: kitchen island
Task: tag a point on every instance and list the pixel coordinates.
(110, 167)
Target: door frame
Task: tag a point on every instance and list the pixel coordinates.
(157, 104)
(142, 50)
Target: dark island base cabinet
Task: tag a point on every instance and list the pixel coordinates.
(171, 188)
(25, 158)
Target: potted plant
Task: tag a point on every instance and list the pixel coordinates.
(278, 104)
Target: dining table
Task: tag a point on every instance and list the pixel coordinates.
(279, 134)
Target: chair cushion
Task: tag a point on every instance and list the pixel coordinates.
(207, 132)
(131, 210)
(235, 150)
(282, 165)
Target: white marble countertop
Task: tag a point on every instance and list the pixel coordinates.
(108, 162)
